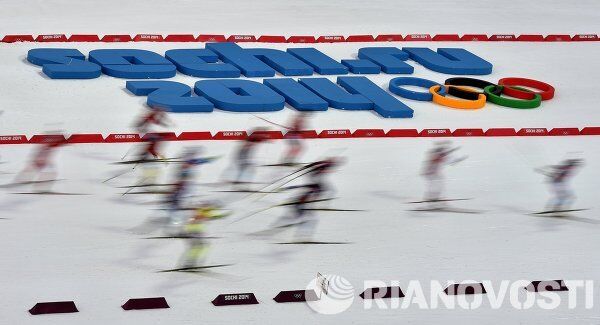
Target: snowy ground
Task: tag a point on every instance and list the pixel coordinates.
(273, 17)
(83, 247)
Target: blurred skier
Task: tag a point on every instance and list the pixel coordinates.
(195, 233)
(244, 156)
(151, 148)
(153, 117)
(41, 168)
(437, 158)
(150, 156)
(294, 136)
(558, 178)
(313, 191)
(144, 125)
(185, 174)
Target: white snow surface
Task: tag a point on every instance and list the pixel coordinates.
(84, 248)
(312, 17)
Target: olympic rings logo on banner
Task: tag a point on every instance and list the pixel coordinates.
(509, 92)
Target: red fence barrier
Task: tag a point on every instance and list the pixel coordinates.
(402, 133)
(501, 132)
(435, 133)
(148, 38)
(17, 38)
(389, 38)
(308, 134)
(271, 39)
(180, 38)
(369, 133)
(211, 38)
(344, 133)
(446, 38)
(331, 39)
(301, 39)
(503, 38)
(51, 38)
(360, 38)
(474, 37)
(116, 38)
(84, 38)
(241, 38)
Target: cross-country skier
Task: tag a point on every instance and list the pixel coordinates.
(149, 156)
(313, 191)
(244, 156)
(437, 158)
(294, 136)
(195, 233)
(151, 149)
(153, 117)
(558, 177)
(185, 174)
(144, 127)
(41, 167)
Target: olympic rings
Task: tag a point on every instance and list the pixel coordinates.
(471, 82)
(410, 81)
(479, 102)
(461, 88)
(514, 103)
(547, 91)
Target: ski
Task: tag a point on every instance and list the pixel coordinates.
(194, 268)
(563, 215)
(119, 174)
(243, 191)
(558, 211)
(148, 192)
(294, 175)
(16, 184)
(281, 205)
(146, 185)
(314, 243)
(180, 237)
(449, 210)
(48, 193)
(438, 200)
(333, 209)
(144, 161)
(298, 202)
(286, 165)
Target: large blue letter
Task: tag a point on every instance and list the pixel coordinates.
(391, 59)
(240, 95)
(235, 55)
(283, 62)
(63, 64)
(320, 62)
(201, 63)
(297, 95)
(133, 64)
(450, 60)
(336, 97)
(384, 104)
(169, 95)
